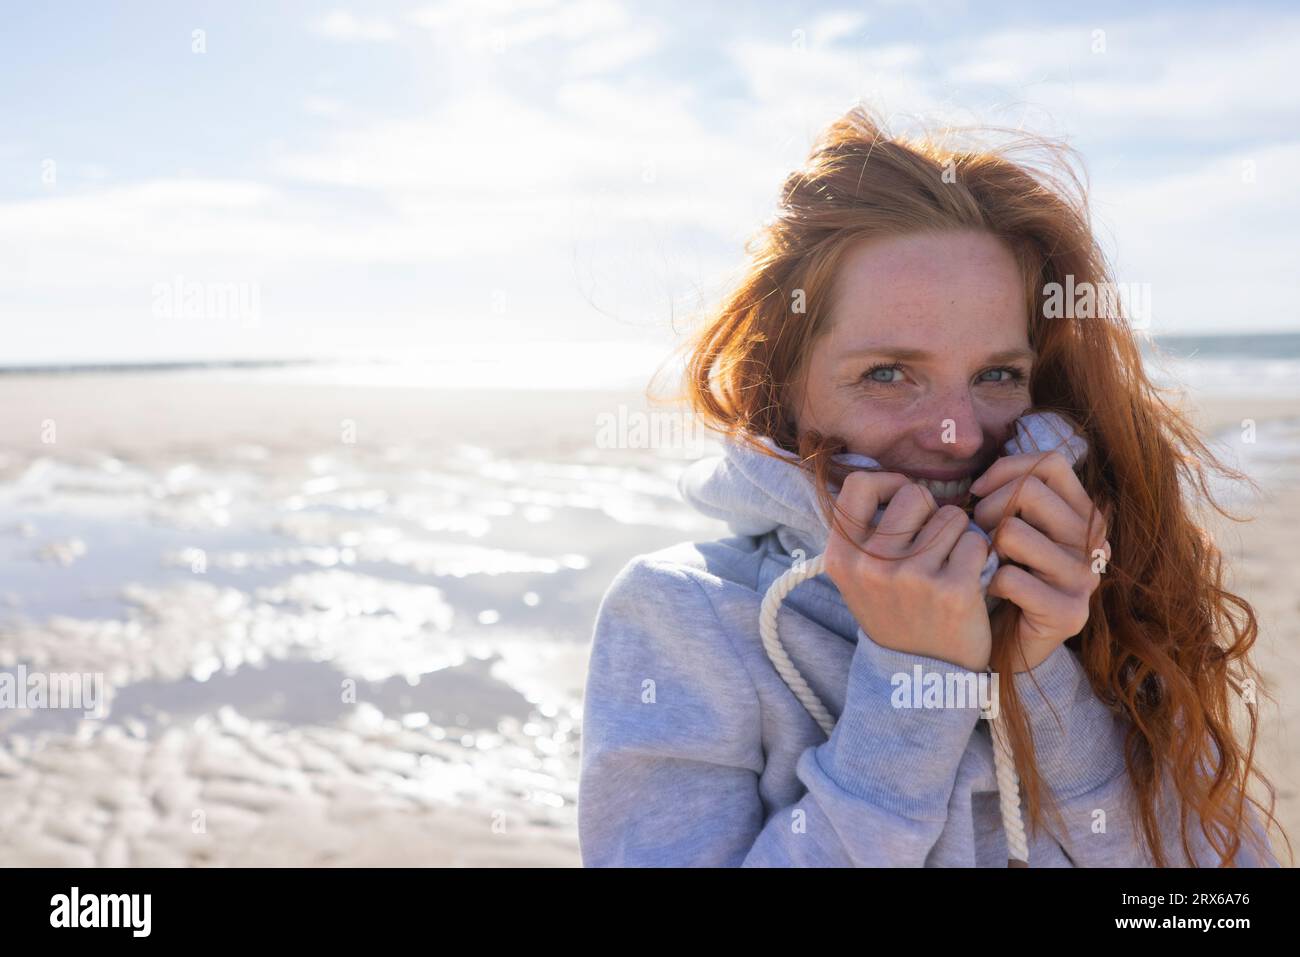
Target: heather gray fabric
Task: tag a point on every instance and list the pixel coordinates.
(696, 753)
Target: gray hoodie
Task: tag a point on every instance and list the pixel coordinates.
(695, 752)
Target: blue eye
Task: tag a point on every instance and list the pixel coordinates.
(1013, 375)
(870, 374)
(883, 375)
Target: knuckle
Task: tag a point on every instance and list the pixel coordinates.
(878, 571)
(1076, 616)
(838, 560)
(1011, 532)
(907, 577)
(950, 513)
(1080, 622)
(854, 481)
(912, 491)
(1099, 532)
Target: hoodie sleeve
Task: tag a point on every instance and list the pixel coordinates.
(672, 748)
(1081, 758)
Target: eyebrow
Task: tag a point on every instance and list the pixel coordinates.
(921, 355)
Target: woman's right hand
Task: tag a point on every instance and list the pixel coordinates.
(923, 595)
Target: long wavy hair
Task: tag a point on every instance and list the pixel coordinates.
(1166, 645)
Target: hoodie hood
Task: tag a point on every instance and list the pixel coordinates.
(755, 493)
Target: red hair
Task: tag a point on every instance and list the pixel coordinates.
(1166, 644)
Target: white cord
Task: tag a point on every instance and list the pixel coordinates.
(1004, 765)
(772, 641)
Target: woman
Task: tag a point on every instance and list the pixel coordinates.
(897, 312)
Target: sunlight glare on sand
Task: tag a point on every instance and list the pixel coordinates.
(297, 642)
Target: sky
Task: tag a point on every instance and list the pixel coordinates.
(193, 181)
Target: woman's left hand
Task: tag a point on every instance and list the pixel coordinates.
(1048, 536)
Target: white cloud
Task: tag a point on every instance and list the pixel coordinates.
(553, 175)
(322, 106)
(577, 38)
(794, 93)
(133, 234)
(1215, 246)
(525, 22)
(834, 26)
(1198, 75)
(608, 54)
(342, 25)
(489, 157)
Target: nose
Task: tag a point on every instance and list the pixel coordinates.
(949, 427)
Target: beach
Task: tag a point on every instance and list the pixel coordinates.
(349, 626)
(1262, 565)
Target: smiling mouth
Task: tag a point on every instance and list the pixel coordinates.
(952, 492)
(946, 489)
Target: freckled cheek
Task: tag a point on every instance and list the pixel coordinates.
(873, 427)
(999, 417)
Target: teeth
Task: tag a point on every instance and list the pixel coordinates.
(954, 489)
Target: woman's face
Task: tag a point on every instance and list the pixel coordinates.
(925, 365)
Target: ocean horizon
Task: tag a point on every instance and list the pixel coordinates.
(1264, 363)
